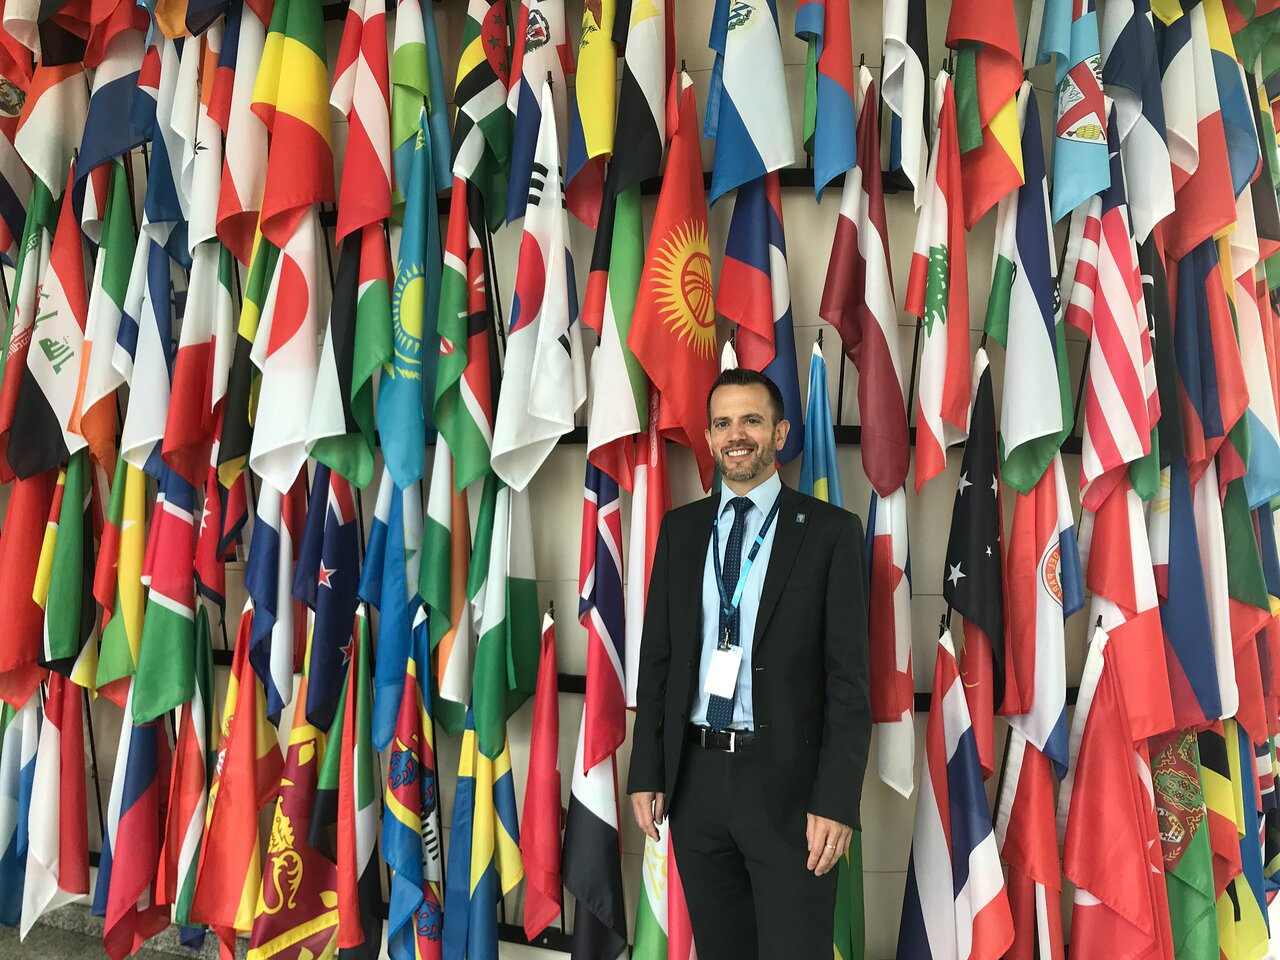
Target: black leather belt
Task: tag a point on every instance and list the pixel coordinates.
(726, 741)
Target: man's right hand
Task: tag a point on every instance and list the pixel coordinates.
(649, 808)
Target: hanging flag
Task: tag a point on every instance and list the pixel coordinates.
(297, 902)
(361, 93)
(755, 293)
(1023, 317)
(987, 77)
(539, 54)
(819, 472)
(64, 581)
(195, 755)
(544, 380)
(1120, 403)
(189, 429)
(484, 852)
(955, 902)
(244, 169)
(593, 110)
(1131, 77)
(541, 819)
(600, 611)
(482, 129)
(829, 122)
(58, 828)
(974, 580)
(41, 437)
(747, 113)
(858, 301)
(107, 131)
(906, 87)
(417, 76)
(647, 76)
(166, 650)
(1029, 845)
(143, 356)
(1044, 587)
(1110, 851)
(247, 774)
(1069, 36)
(52, 119)
(938, 293)
(592, 858)
(93, 414)
(1243, 150)
(344, 821)
(117, 582)
(408, 377)
(19, 734)
(20, 547)
(673, 332)
(468, 372)
(412, 844)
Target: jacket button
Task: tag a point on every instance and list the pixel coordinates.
(758, 669)
(762, 726)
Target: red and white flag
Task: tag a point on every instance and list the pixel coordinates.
(361, 92)
(889, 629)
(542, 818)
(244, 165)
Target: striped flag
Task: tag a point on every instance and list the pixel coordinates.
(1120, 404)
(988, 75)
(21, 538)
(541, 819)
(412, 844)
(117, 583)
(482, 128)
(21, 733)
(107, 131)
(747, 113)
(247, 774)
(188, 432)
(195, 753)
(361, 92)
(600, 611)
(593, 110)
(15, 190)
(755, 293)
(858, 300)
(1243, 150)
(955, 903)
(1069, 36)
(52, 119)
(468, 372)
(544, 379)
(541, 52)
(244, 168)
(1110, 851)
(828, 90)
(592, 858)
(57, 831)
(143, 356)
(906, 87)
(1131, 77)
(889, 630)
(1028, 843)
(64, 579)
(484, 850)
(819, 472)
(650, 500)
(1022, 316)
(938, 293)
(648, 75)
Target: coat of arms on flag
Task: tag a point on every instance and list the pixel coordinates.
(1080, 103)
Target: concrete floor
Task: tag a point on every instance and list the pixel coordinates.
(71, 931)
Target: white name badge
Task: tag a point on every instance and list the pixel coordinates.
(722, 675)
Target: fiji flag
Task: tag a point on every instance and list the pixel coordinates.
(955, 903)
(747, 112)
(819, 473)
(484, 852)
(755, 293)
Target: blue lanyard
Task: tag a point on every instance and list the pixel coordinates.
(729, 605)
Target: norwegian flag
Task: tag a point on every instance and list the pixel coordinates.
(1121, 404)
(600, 610)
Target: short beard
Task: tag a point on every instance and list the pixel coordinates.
(743, 473)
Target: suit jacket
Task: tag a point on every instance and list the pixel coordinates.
(810, 691)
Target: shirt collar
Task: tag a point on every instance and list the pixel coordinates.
(761, 496)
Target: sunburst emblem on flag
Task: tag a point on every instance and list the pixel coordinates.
(684, 292)
(406, 308)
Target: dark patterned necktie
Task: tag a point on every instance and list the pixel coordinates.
(720, 709)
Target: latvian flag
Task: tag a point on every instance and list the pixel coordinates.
(955, 903)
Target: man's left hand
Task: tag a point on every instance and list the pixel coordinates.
(828, 842)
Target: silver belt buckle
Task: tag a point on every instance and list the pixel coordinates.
(733, 741)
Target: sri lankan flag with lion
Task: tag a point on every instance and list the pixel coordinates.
(673, 333)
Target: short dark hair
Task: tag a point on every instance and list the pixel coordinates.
(743, 377)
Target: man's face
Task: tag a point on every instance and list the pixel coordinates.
(742, 436)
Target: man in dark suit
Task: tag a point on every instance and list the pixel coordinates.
(753, 717)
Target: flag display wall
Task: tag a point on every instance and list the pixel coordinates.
(343, 341)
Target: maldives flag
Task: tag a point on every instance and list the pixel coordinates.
(938, 293)
(22, 628)
(1111, 850)
(542, 818)
(673, 331)
(858, 301)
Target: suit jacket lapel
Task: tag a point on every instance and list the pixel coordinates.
(786, 545)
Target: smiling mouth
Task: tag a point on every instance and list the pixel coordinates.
(739, 453)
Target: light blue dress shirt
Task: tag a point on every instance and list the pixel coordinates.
(761, 498)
